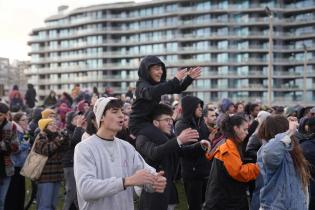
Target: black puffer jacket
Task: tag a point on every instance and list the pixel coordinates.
(193, 160)
(149, 92)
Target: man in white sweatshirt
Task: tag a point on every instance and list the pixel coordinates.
(106, 167)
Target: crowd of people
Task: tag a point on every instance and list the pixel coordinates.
(108, 149)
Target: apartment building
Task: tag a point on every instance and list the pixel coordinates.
(248, 50)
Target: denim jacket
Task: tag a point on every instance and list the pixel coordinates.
(19, 157)
(278, 186)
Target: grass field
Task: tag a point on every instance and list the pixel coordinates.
(180, 188)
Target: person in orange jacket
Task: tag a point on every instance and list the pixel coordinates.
(229, 175)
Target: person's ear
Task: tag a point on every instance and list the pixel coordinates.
(306, 128)
(155, 123)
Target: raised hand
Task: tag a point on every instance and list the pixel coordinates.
(195, 72)
(81, 121)
(181, 74)
(188, 135)
(293, 125)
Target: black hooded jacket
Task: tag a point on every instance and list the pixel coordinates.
(194, 162)
(30, 96)
(148, 92)
(72, 135)
(161, 152)
(33, 125)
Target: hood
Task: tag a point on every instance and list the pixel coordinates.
(37, 114)
(30, 86)
(145, 65)
(189, 105)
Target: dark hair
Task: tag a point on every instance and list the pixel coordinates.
(311, 125)
(161, 109)
(250, 107)
(4, 108)
(239, 103)
(17, 116)
(90, 128)
(278, 109)
(15, 87)
(276, 124)
(206, 110)
(113, 104)
(228, 123)
(68, 97)
(272, 126)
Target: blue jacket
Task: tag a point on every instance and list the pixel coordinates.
(278, 186)
(19, 157)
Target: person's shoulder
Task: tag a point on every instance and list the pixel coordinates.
(308, 144)
(88, 142)
(124, 144)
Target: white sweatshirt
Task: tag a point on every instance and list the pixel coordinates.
(99, 167)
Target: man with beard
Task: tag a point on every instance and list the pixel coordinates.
(195, 166)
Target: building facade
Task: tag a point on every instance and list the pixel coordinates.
(246, 50)
(12, 74)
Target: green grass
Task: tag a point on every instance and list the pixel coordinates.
(181, 196)
(180, 188)
(33, 206)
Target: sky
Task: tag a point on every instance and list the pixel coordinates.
(18, 18)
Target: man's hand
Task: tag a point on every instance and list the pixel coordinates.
(81, 122)
(293, 125)
(160, 182)
(195, 72)
(205, 144)
(141, 177)
(188, 135)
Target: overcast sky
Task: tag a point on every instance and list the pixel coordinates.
(19, 17)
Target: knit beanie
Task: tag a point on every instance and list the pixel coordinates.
(47, 112)
(225, 104)
(99, 108)
(42, 124)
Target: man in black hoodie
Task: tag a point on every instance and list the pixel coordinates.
(152, 85)
(195, 166)
(160, 149)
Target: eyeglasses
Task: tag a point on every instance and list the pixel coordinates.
(21, 120)
(168, 120)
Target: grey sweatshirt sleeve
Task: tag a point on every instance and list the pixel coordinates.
(139, 164)
(88, 186)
